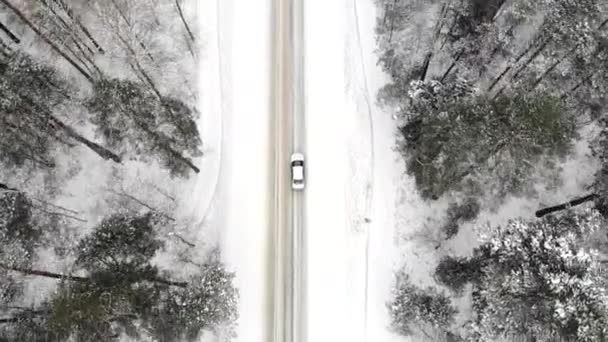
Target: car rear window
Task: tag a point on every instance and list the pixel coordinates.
(298, 173)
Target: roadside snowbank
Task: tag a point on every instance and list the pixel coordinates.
(235, 82)
(353, 177)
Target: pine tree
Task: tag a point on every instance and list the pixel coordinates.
(31, 93)
(415, 309)
(121, 292)
(455, 140)
(138, 123)
(538, 280)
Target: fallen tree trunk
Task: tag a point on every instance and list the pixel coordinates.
(572, 203)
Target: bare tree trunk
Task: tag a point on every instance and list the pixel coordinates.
(20, 318)
(87, 58)
(45, 163)
(189, 45)
(498, 93)
(77, 57)
(447, 35)
(29, 271)
(390, 35)
(6, 187)
(55, 206)
(575, 88)
(175, 154)
(502, 2)
(10, 34)
(47, 40)
(162, 192)
(572, 203)
(65, 26)
(40, 273)
(179, 157)
(169, 282)
(184, 241)
(443, 12)
(140, 202)
(139, 41)
(98, 149)
(425, 65)
(497, 79)
(54, 213)
(532, 58)
(78, 22)
(447, 72)
(181, 15)
(510, 66)
(553, 66)
(601, 26)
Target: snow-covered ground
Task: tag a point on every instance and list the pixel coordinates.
(330, 317)
(236, 74)
(388, 171)
(353, 177)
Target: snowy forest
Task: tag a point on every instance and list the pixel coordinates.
(502, 127)
(99, 147)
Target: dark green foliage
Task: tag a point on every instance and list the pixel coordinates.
(207, 302)
(100, 312)
(29, 91)
(16, 217)
(454, 140)
(29, 325)
(469, 16)
(121, 241)
(413, 307)
(123, 293)
(133, 121)
(19, 235)
(460, 213)
(456, 272)
(18, 239)
(599, 149)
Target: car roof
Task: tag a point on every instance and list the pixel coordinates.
(297, 156)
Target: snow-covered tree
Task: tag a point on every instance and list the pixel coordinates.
(538, 279)
(456, 140)
(16, 220)
(598, 189)
(456, 272)
(142, 125)
(121, 293)
(414, 310)
(31, 93)
(459, 213)
(18, 239)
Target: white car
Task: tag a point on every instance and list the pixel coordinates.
(297, 171)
